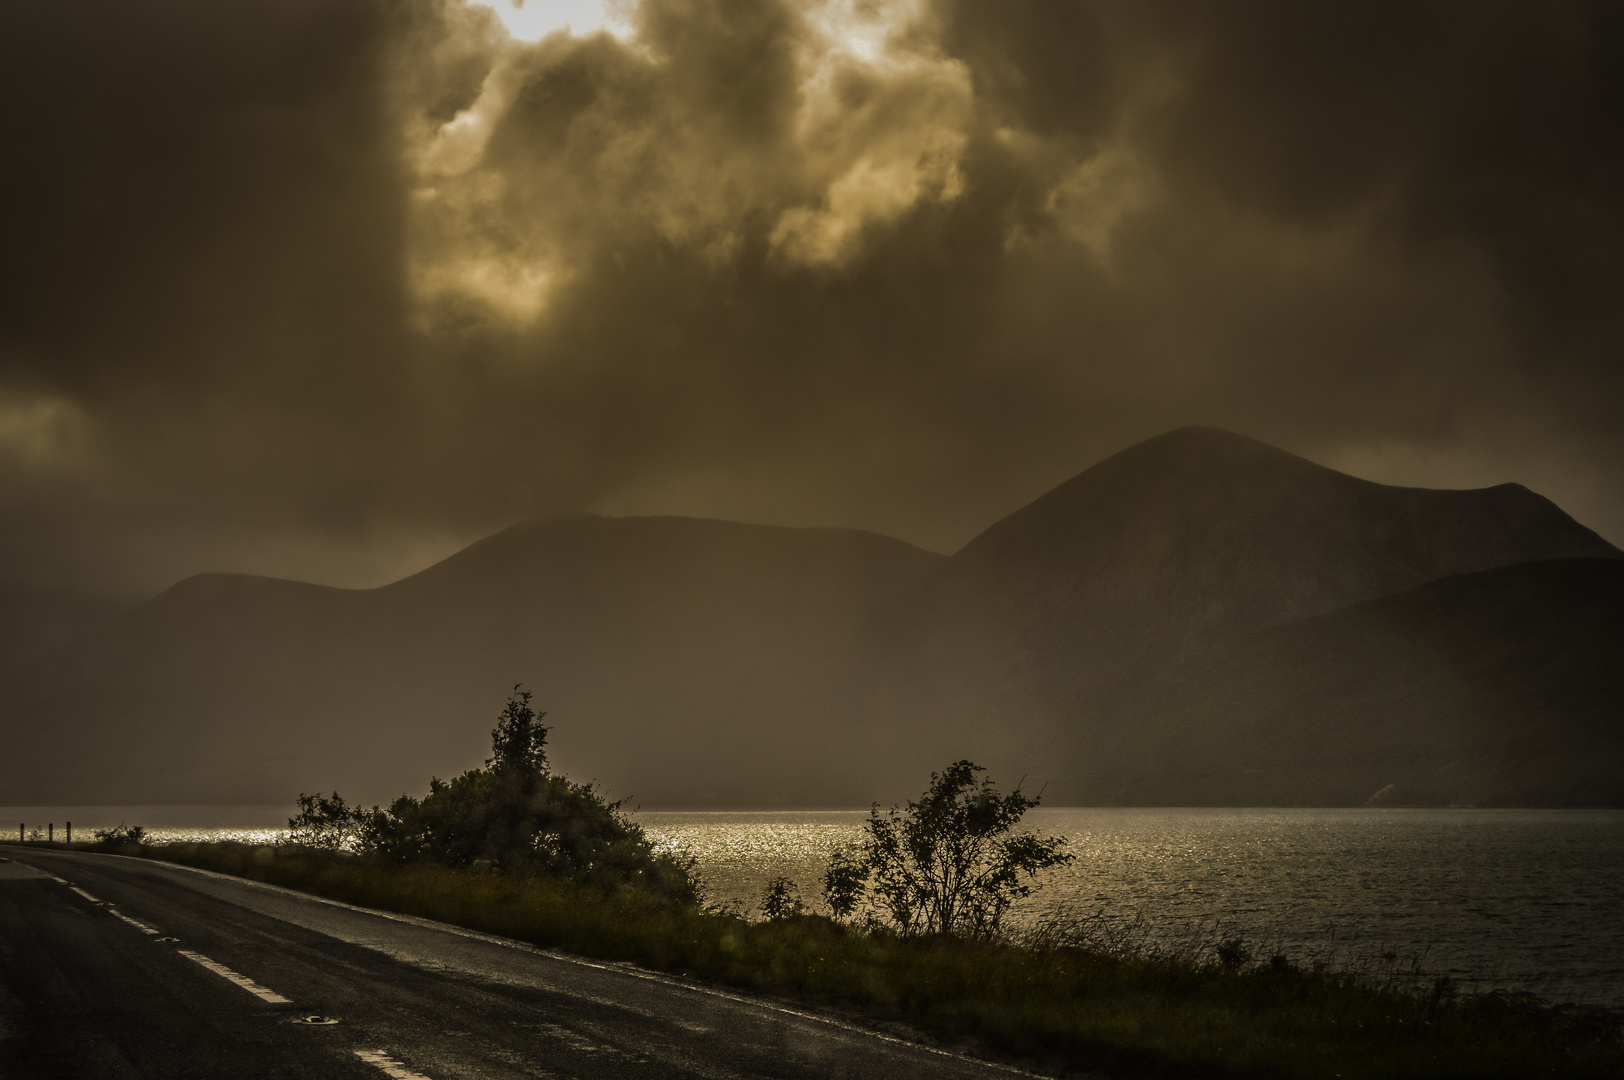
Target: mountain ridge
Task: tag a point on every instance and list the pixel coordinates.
(1164, 553)
(689, 661)
(687, 647)
(1497, 687)
(1117, 534)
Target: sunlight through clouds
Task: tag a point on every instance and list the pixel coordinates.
(878, 263)
(572, 139)
(861, 28)
(862, 78)
(532, 20)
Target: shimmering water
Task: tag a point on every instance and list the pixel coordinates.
(1525, 898)
(164, 824)
(1522, 898)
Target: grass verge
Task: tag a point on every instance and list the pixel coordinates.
(1058, 1008)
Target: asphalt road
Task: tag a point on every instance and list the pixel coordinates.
(113, 968)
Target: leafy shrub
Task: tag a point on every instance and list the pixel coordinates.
(950, 863)
(1233, 954)
(515, 814)
(119, 835)
(844, 882)
(781, 900)
(327, 823)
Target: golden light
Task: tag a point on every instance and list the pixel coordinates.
(532, 20)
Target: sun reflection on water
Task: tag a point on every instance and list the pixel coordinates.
(1524, 898)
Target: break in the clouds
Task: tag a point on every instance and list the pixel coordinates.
(323, 289)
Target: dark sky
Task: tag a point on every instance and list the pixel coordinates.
(324, 289)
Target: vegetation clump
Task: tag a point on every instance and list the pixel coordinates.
(927, 890)
(119, 835)
(1079, 997)
(515, 814)
(323, 822)
(782, 900)
(950, 863)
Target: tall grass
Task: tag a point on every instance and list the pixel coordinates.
(1074, 994)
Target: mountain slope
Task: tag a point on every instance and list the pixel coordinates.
(1200, 536)
(1201, 618)
(37, 621)
(1502, 687)
(1160, 554)
(689, 660)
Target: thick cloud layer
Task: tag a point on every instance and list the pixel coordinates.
(323, 289)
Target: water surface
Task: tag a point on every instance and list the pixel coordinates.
(1492, 898)
(1523, 898)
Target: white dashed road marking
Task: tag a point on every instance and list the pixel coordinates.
(391, 1068)
(241, 980)
(82, 893)
(137, 923)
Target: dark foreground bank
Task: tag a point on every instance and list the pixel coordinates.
(1056, 1005)
(134, 969)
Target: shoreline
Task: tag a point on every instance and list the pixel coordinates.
(1062, 1003)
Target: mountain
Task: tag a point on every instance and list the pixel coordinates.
(684, 660)
(1199, 619)
(1200, 537)
(1042, 630)
(1500, 688)
(35, 622)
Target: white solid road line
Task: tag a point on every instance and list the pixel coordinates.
(137, 923)
(241, 980)
(82, 893)
(391, 1068)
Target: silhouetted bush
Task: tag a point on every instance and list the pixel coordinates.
(514, 814)
(325, 822)
(1233, 954)
(120, 835)
(1126, 1012)
(781, 900)
(950, 863)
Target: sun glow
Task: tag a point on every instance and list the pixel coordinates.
(532, 20)
(861, 29)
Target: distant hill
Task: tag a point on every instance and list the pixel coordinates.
(1201, 537)
(35, 622)
(1154, 558)
(682, 660)
(1499, 688)
(1199, 619)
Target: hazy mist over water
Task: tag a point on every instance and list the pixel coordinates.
(1493, 898)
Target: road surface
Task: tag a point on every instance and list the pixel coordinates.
(113, 967)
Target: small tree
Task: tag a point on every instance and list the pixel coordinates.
(781, 900)
(950, 863)
(517, 814)
(844, 882)
(519, 740)
(324, 823)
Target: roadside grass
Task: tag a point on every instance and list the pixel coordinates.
(1050, 1004)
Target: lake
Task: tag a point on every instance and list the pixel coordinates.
(1493, 898)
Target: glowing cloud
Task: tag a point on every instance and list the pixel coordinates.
(883, 121)
(532, 20)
